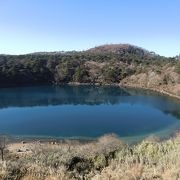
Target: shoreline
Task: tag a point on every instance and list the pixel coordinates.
(163, 134)
(45, 139)
(161, 91)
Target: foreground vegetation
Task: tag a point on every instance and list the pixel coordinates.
(107, 158)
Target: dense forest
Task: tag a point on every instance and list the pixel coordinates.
(103, 65)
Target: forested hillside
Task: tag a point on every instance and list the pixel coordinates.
(109, 64)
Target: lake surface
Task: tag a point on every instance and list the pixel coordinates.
(86, 112)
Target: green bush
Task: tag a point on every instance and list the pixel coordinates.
(177, 67)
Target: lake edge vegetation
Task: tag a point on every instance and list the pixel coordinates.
(106, 158)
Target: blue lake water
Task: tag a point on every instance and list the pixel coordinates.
(86, 112)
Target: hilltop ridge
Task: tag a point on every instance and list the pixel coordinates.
(119, 49)
(101, 49)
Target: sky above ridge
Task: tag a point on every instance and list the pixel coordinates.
(53, 25)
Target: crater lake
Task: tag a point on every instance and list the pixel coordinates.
(69, 111)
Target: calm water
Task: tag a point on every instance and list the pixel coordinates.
(86, 111)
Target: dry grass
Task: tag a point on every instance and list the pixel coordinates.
(147, 160)
(107, 158)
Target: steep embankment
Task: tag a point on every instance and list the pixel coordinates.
(121, 64)
(153, 72)
(165, 81)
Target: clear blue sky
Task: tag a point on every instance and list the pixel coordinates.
(52, 25)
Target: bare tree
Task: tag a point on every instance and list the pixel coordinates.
(2, 146)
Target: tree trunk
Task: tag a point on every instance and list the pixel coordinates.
(2, 154)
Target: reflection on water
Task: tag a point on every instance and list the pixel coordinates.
(85, 111)
(84, 95)
(56, 95)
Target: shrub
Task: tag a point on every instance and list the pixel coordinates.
(177, 67)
